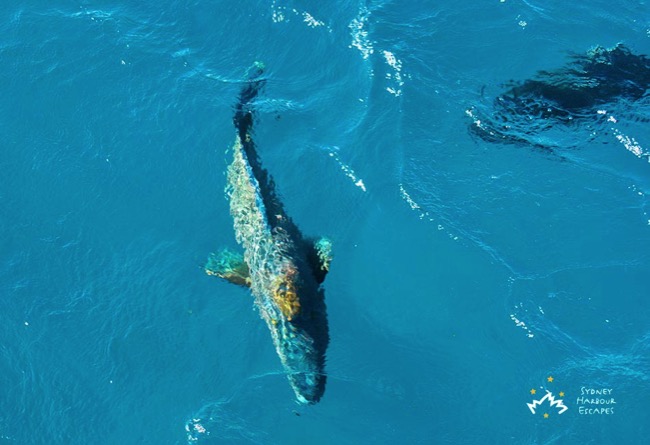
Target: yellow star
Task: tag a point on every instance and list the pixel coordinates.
(561, 393)
(533, 391)
(550, 379)
(546, 415)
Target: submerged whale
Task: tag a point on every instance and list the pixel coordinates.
(283, 269)
(574, 93)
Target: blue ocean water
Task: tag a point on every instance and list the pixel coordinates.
(465, 273)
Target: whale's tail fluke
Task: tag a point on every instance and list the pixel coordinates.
(243, 118)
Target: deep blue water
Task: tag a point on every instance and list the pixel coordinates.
(465, 272)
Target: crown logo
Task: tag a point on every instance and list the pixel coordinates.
(552, 401)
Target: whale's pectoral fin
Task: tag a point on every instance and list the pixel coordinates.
(229, 266)
(320, 257)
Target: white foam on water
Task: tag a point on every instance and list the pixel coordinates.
(310, 20)
(278, 12)
(349, 172)
(631, 144)
(282, 14)
(359, 30)
(521, 324)
(422, 214)
(396, 75)
(195, 430)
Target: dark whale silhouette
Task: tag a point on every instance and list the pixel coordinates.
(568, 95)
(282, 268)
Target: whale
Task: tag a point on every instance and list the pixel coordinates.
(283, 269)
(578, 92)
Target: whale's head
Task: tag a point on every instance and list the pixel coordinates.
(308, 386)
(301, 345)
(297, 318)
